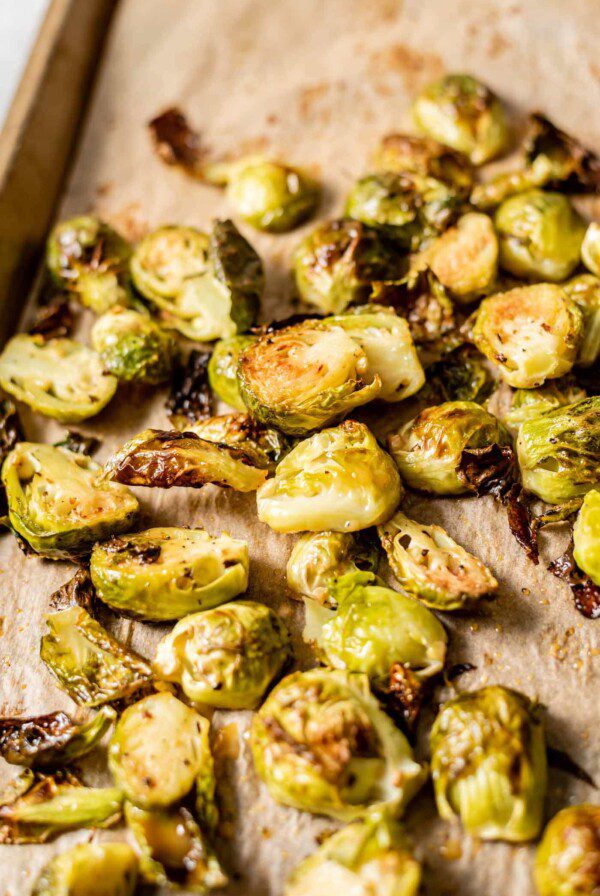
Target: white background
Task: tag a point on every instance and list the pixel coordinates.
(19, 23)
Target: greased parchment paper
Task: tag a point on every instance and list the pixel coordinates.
(317, 82)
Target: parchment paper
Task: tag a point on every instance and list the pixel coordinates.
(317, 83)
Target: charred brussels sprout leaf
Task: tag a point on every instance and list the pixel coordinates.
(90, 869)
(590, 248)
(530, 403)
(158, 749)
(586, 534)
(162, 459)
(318, 559)
(87, 662)
(50, 804)
(166, 573)
(87, 257)
(585, 291)
(432, 566)
(321, 743)
(532, 333)
(175, 140)
(237, 268)
(266, 446)
(409, 207)
(58, 502)
(402, 153)
(540, 236)
(488, 763)
(465, 258)
(428, 450)
(422, 300)
(190, 399)
(463, 113)
(133, 347)
(338, 480)
(225, 657)
(59, 378)
(79, 443)
(368, 856)
(223, 370)
(303, 377)
(559, 451)
(461, 376)
(335, 265)
(51, 740)
(53, 320)
(567, 861)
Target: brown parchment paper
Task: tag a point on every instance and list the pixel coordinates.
(317, 82)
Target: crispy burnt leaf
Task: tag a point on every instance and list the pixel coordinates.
(78, 591)
(403, 696)
(176, 142)
(79, 443)
(576, 168)
(586, 594)
(53, 320)
(422, 300)
(51, 740)
(190, 399)
(559, 513)
(563, 762)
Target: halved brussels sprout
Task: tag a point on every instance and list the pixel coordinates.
(267, 194)
(386, 341)
(158, 748)
(223, 369)
(488, 763)
(410, 207)
(590, 248)
(462, 375)
(567, 861)
(58, 502)
(402, 153)
(540, 236)
(465, 258)
(87, 662)
(421, 299)
(375, 627)
(226, 657)
(89, 258)
(166, 573)
(51, 740)
(428, 449)
(530, 403)
(267, 446)
(90, 869)
(166, 259)
(559, 451)
(163, 459)
(532, 333)
(303, 377)
(463, 113)
(338, 261)
(59, 378)
(338, 480)
(586, 535)
(173, 849)
(44, 805)
(133, 347)
(321, 743)
(432, 566)
(585, 291)
(318, 559)
(370, 857)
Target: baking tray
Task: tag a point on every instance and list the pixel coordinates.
(316, 83)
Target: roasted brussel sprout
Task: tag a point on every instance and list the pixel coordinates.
(133, 347)
(428, 449)
(58, 502)
(409, 207)
(586, 535)
(225, 657)
(89, 259)
(158, 748)
(223, 370)
(265, 445)
(532, 333)
(590, 248)
(321, 743)
(52, 740)
(374, 628)
(425, 304)
(166, 259)
(432, 566)
(40, 806)
(90, 869)
(559, 451)
(402, 153)
(465, 257)
(370, 857)
(540, 236)
(59, 378)
(488, 763)
(267, 194)
(335, 265)
(585, 291)
(461, 375)
(526, 404)
(567, 861)
(318, 559)
(163, 459)
(306, 376)
(338, 480)
(463, 113)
